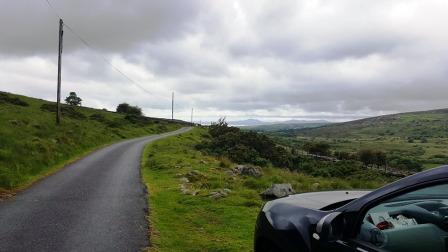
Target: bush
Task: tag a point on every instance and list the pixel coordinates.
(320, 148)
(245, 146)
(125, 108)
(372, 157)
(405, 163)
(340, 169)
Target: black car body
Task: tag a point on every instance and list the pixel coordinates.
(343, 221)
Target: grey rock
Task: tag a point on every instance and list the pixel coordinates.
(248, 170)
(278, 191)
(218, 194)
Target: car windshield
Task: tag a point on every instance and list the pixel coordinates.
(434, 192)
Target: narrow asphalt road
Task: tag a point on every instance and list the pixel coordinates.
(95, 204)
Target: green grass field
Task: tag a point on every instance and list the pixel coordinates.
(183, 222)
(32, 145)
(421, 136)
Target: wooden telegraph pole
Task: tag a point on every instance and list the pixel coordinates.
(172, 106)
(58, 112)
(191, 115)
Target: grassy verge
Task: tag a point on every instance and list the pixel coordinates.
(185, 222)
(33, 146)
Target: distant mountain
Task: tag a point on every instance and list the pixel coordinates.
(280, 127)
(247, 122)
(262, 126)
(302, 122)
(256, 122)
(416, 125)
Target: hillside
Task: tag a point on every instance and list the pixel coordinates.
(198, 203)
(275, 127)
(415, 137)
(426, 124)
(32, 145)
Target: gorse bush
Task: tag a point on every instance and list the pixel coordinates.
(245, 146)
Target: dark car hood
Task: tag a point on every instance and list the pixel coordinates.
(316, 200)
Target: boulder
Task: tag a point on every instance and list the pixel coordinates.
(278, 191)
(248, 170)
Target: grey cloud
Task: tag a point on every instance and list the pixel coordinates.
(30, 27)
(312, 59)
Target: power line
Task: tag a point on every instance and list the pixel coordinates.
(88, 45)
(53, 9)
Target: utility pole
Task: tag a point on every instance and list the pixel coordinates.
(172, 106)
(58, 112)
(191, 115)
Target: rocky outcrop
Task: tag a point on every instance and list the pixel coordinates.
(278, 191)
(219, 194)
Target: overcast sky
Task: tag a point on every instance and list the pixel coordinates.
(272, 60)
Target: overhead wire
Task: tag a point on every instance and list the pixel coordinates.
(106, 60)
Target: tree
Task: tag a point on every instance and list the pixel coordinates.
(320, 148)
(125, 108)
(380, 159)
(73, 99)
(366, 156)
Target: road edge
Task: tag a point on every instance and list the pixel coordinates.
(7, 194)
(151, 231)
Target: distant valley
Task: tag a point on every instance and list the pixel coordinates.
(263, 126)
(416, 136)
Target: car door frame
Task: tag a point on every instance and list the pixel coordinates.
(349, 238)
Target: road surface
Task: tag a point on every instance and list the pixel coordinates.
(95, 204)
